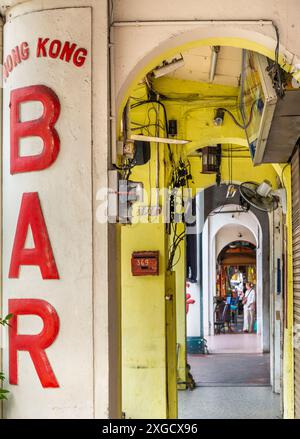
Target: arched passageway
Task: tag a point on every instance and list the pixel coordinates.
(207, 202)
(210, 198)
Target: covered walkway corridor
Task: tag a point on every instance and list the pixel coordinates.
(229, 403)
(147, 146)
(232, 381)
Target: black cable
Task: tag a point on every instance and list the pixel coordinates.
(280, 86)
(175, 263)
(174, 246)
(231, 164)
(243, 127)
(228, 166)
(171, 248)
(178, 259)
(220, 211)
(140, 127)
(149, 101)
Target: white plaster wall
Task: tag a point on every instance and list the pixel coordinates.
(135, 46)
(286, 13)
(1, 53)
(85, 355)
(137, 43)
(276, 302)
(230, 233)
(65, 194)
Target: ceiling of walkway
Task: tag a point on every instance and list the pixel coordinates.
(238, 253)
(197, 64)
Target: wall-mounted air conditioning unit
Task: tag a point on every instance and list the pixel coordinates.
(274, 127)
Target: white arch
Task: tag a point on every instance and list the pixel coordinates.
(139, 47)
(229, 233)
(212, 227)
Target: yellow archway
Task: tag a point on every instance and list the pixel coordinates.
(234, 37)
(212, 34)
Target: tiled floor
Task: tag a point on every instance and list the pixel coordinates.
(234, 343)
(230, 369)
(229, 403)
(232, 381)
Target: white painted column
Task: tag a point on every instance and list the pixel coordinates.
(66, 52)
(213, 285)
(206, 267)
(193, 318)
(1, 51)
(276, 299)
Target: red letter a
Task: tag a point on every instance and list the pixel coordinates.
(31, 215)
(34, 344)
(42, 127)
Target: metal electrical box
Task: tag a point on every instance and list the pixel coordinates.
(285, 129)
(145, 263)
(274, 124)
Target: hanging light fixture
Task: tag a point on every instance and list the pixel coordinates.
(211, 159)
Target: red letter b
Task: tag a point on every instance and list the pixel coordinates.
(42, 127)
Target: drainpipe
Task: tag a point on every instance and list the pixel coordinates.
(112, 117)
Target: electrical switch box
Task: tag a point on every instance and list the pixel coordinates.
(145, 263)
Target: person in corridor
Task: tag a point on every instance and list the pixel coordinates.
(249, 301)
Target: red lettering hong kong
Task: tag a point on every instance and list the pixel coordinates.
(16, 56)
(65, 51)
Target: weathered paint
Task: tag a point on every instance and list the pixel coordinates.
(65, 181)
(180, 272)
(285, 14)
(85, 295)
(143, 326)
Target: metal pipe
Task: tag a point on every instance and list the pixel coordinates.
(157, 156)
(187, 22)
(113, 123)
(213, 63)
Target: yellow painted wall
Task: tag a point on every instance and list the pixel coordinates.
(243, 170)
(143, 326)
(284, 173)
(144, 315)
(171, 334)
(180, 270)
